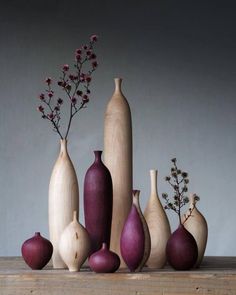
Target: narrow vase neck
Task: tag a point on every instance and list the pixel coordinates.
(118, 82)
(98, 156)
(136, 194)
(63, 146)
(153, 178)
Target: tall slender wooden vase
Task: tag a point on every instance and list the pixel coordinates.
(158, 225)
(63, 200)
(118, 159)
(197, 226)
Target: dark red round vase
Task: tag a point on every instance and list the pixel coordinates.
(104, 260)
(98, 199)
(37, 251)
(132, 240)
(181, 249)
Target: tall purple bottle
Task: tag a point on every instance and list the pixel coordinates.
(98, 203)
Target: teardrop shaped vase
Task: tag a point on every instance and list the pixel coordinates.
(196, 224)
(135, 238)
(181, 249)
(74, 245)
(158, 225)
(104, 260)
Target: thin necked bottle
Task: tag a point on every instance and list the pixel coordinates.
(118, 159)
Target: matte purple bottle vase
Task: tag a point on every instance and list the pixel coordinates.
(135, 242)
(98, 203)
(37, 251)
(104, 260)
(181, 249)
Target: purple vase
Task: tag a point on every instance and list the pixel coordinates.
(181, 249)
(134, 243)
(37, 251)
(104, 260)
(98, 203)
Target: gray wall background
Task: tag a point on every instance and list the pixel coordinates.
(177, 59)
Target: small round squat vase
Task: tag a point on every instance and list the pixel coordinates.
(104, 260)
(37, 251)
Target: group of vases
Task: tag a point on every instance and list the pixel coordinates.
(116, 232)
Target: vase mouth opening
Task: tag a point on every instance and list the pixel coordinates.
(98, 154)
(104, 246)
(37, 233)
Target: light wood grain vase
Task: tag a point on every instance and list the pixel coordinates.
(118, 159)
(158, 225)
(74, 245)
(196, 224)
(63, 200)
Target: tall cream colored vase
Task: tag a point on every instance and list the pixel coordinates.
(63, 200)
(196, 224)
(118, 159)
(158, 225)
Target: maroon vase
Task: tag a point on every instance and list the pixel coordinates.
(98, 203)
(104, 260)
(37, 251)
(181, 249)
(132, 243)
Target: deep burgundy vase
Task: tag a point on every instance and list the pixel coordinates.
(37, 251)
(181, 249)
(132, 240)
(104, 260)
(98, 203)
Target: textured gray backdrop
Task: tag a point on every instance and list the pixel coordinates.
(178, 62)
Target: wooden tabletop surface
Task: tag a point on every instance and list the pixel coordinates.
(217, 275)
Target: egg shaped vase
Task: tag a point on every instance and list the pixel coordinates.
(181, 249)
(98, 203)
(37, 251)
(74, 245)
(135, 241)
(63, 200)
(104, 260)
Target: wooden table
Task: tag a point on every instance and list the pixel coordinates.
(217, 275)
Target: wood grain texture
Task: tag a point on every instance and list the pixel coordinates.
(118, 159)
(217, 276)
(74, 245)
(158, 225)
(196, 224)
(63, 200)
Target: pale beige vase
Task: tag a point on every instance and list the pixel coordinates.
(158, 225)
(63, 200)
(74, 245)
(196, 224)
(118, 159)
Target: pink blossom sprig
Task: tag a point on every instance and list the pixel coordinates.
(74, 83)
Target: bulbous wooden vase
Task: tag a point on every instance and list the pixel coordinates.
(37, 251)
(158, 225)
(196, 224)
(63, 200)
(104, 260)
(181, 249)
(98, 203)
(135, 240)
(118, 159)
(74, 245)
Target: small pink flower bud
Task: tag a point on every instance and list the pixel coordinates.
(92, 56)
(60, 101)
(50, 116)
(78, 57)
(65, 68)
(94, 38)
(78, 51)
(74, 100)
(94, 64)
(85, 47)
(48, 81)
(40, 109)
(59, 83)
(42, 96)
(85, 98)
(50, 94)
(89, 52)
(88, 79)
(79, 92)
